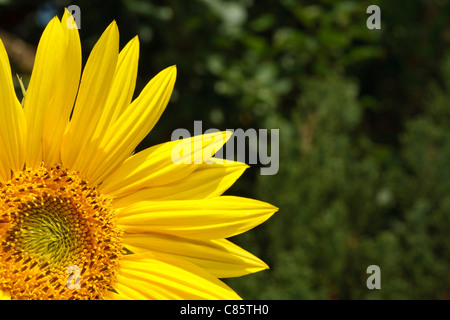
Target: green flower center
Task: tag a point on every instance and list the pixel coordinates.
(51, 232)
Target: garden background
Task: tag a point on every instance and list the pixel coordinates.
(364, 120)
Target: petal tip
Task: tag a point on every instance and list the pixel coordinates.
(227, 135)
(172, 70)
(113, 27)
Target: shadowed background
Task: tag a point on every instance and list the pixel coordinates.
(364, 120)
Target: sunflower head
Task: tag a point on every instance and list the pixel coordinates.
(81, 215)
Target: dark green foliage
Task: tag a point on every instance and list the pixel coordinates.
(364, 119)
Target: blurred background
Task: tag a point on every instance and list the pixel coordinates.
(364, 120)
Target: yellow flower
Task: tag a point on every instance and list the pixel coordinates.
(81, 216)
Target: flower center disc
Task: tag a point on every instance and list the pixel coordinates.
(58, 237)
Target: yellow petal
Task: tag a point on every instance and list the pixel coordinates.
(213, 218)
(12, 123)
(157, 276)
(119, 97)
(122, 89)
(5, 295)
(132, 126)
(208, 181)
(221, 258)
(155, 166)
(42, 86)
(130, 288)
(94, 89)
(110, 295)
(65, 89)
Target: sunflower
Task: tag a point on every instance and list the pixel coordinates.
(81, 215)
